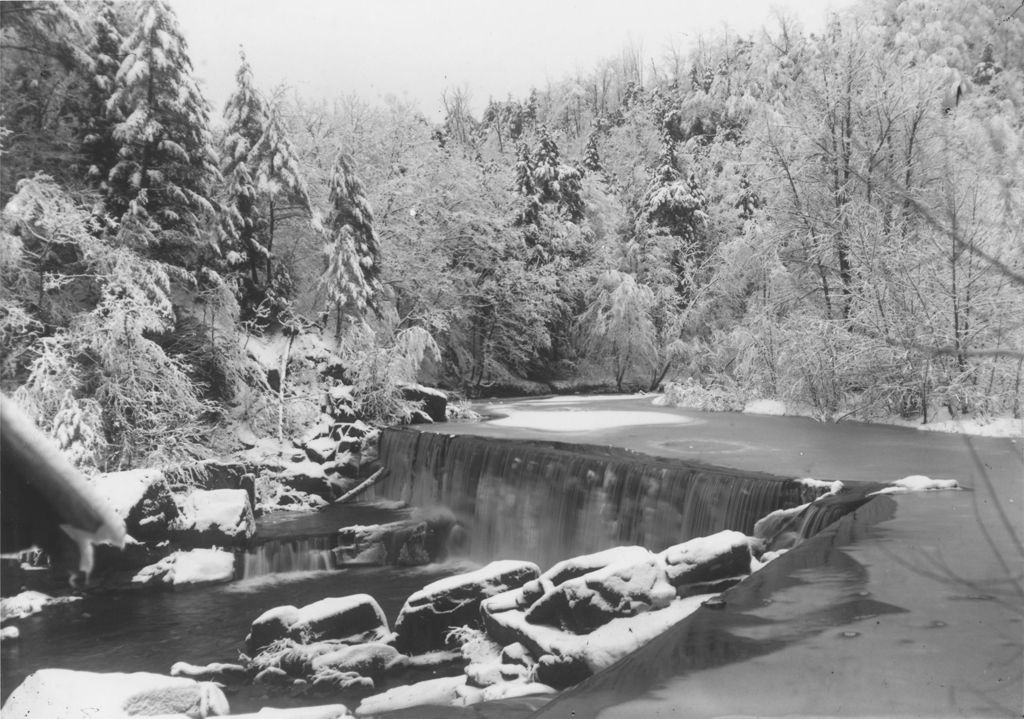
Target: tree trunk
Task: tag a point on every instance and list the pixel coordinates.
(280, 391)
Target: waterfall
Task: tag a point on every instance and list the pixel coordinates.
(546, 501)
(304, 554)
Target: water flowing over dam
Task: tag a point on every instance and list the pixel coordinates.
(546, 501)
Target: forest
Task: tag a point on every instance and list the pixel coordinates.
(829, 219)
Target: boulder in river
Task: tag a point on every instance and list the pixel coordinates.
(270, 626)
(216, 672)
(194, 566)
(355, 618)
(216, 517)
(72, 694)
(622, 589)
(140, 497)
(408, 542)
(431, 613)
(368, 660)
(433, 403)
(707, 559)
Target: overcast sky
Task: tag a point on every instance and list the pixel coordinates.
(418, 48)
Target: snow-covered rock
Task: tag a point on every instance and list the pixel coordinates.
(621, 589)
(577, 567)
(141, 498)
(88, 695)
(409, 542)
(355, 618)
(9, 633)
(216, 672)
(321, 449)
(326, 711)
(565, 658)
(429, 614)
(433, 402)
(918, 483)
(28, 603)
(706, 559)
(445, 691)
(194, 566)
(270, 626)
(368, 660)
(308, 477)
(216, 516)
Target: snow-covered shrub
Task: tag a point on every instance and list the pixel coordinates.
(108, 305)
(690, 394)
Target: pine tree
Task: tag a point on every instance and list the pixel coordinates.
(545, 167)
(246, 114)
(280, 181)
(99, 146)
(591, 155)
(351, 281)
(166, 159)
(525, 187)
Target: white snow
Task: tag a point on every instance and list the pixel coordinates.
(28, 603)
(325, 609)
(917, 483)
(771, 407)
(582, 399)
(994, 427)
(607, 644)
(87, 695)
(480, 576)
(123, 490)
(9, 633)
(326, 711)
(223, 510)
(445, 691)
(834, 487)
(190, 567)
(584, 421)
(702, 550)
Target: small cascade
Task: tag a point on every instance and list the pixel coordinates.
(306, 554)
(547, 501)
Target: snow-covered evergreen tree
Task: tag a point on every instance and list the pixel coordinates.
(351, 281)
(166, 161)
(591, 155)
(105, 51)
(676, 205)
(555, 182)
(76, 427)
(280, 181)
(246, 115)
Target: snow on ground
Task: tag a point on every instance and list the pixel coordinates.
(918, 483)
(28, 603)
(584, 421)
(998, 427)
(771, 407)
(190, 567)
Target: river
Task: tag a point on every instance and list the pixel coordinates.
(966, 532)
